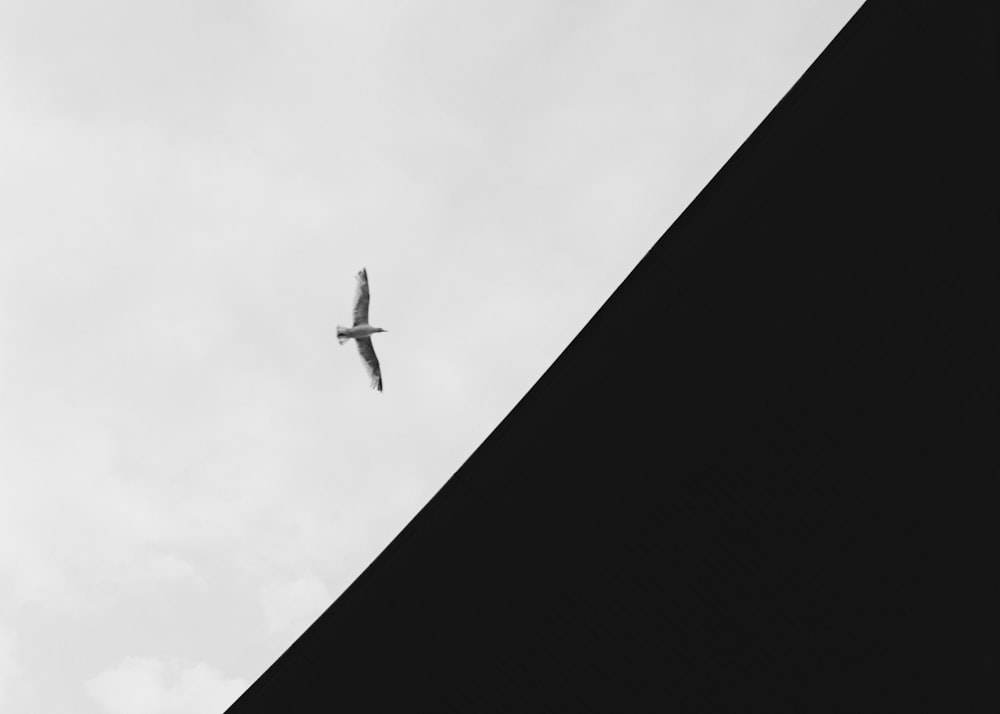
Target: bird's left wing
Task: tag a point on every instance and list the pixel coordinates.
(361, 298)
(371, 362)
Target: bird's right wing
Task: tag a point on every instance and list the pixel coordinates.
(371, 361)
(361, 298)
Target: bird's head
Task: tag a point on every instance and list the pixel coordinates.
(379, 329)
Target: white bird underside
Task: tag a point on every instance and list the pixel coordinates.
(361, 331)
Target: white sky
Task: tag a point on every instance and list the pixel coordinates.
(191, 468)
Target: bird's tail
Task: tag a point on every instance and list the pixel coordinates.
(341, 337)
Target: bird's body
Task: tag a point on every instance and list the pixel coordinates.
(358, 331)
(361, 331)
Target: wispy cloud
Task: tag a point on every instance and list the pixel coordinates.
(147, 685)
(163, 568)
(10, 671)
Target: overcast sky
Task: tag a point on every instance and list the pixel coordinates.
(191, 467)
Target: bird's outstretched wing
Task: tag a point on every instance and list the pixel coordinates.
(361, 298)
(371, 361)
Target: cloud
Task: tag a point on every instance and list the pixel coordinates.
(292, 606)
(148, 685)
(64, 478)
(9, 670)
(165, 568)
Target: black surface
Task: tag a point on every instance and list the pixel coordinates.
(763, 477)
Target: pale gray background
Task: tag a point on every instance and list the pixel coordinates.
(191, 468)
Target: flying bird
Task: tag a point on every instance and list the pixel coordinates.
(361, 331)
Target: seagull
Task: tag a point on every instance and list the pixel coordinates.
(361, 331)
